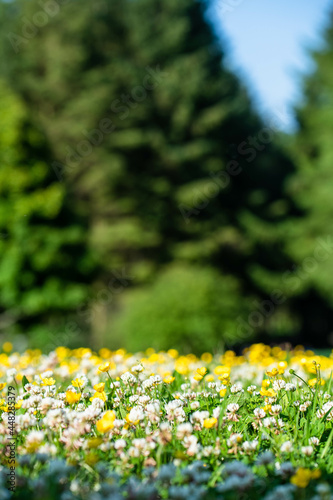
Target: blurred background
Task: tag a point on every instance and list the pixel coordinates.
(166, 173)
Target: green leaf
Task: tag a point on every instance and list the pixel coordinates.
(24, 382)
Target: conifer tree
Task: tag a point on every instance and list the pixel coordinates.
(154, 137)
(45, 265)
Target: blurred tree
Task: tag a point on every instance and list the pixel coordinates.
(45, 265)
(154, 136)
(188, 307)
(310, 238)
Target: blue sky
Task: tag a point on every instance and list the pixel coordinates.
(267, 41)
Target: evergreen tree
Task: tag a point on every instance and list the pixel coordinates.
(45, 265)
(152, 134)
(310, 237)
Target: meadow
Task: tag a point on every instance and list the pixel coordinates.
(76, 424)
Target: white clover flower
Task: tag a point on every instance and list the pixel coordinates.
(290, 387)
(120, 444)
(233, 408)
(286, 447)
(275, 409)
(35, 437)
(128, 378)
(137, 368)
(326, 410)
(217, 412)
(314, 440)
(259, 413)
(183, 430)
(307, 450)
(234, 439)
(199, 416)
(236, 388)
(250, 445)
(278, 385)
(143, 400)
(194, 405)
(207, 451)
(136, 414)
(10, 374)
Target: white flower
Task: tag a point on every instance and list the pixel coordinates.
(290, 387)
(233, 407)
(194, 405)
(307, 450)
(199, 416)
(136, 414)
(236, 388)
(250, 445)
(259, 413)
(183, 430)
(120, 444)
(216, 412)
(286, 447)
(275, 409)
(128, 378)
(314, 440)
(137, 368)
(278, 385)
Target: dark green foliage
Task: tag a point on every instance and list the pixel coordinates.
(188, 307)
(44, 266)
(309, 238)
(156, 142)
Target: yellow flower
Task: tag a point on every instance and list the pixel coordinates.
(72, 397)
(266, 383)
(2, 385)
(206, 357)
(314, 381)
(91, 458)
(315, 474)
(223, 392)
(268, 392)
(105, 367)
(99, 395)
(47, 381)
(99, 387)
(94, 442)
(4, 407)
(225, 379)
(173, 353)
(198, 377)
(131, 422)
(168, 379)
(273, 373)
(302, 477)
(222, 370)
(105, 424)
(7, 347)
(78, 382)
(209, 378)
(210, 422)
(202, 371)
